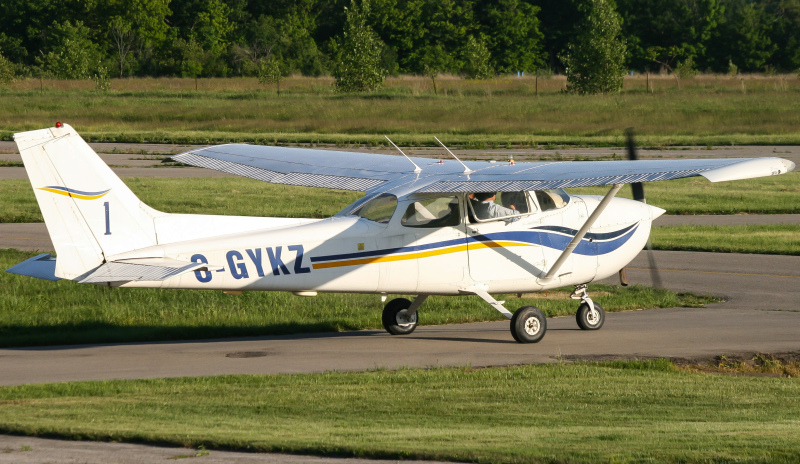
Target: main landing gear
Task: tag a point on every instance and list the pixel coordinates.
(400, 315)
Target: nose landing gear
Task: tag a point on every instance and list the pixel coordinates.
(590, 315)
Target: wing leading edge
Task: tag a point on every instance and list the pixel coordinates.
(374, 172)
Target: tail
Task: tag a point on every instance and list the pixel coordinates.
(89, 212)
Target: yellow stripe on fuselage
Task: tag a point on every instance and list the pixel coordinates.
(419, 255)
(72, 194)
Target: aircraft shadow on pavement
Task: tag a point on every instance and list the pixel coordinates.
(76, 336)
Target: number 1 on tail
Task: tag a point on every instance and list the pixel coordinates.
(108, 221)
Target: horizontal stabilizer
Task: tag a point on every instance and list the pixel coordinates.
(144, 269)
(42, 266)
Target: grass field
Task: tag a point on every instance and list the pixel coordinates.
(38, 312)
(634, 412)
(764, 239)
(494, 113)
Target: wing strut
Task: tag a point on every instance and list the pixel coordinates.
(579, 236)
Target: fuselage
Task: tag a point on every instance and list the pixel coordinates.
(386, 252)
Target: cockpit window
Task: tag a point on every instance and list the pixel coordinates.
(433, 212)
(552, 199)
(380, 209)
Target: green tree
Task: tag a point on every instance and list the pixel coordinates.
(784, 33)
(357, 54)
(512, 35)
(595, 61)
(665, 31)
(191, 57)
(124, 40)
(435, 61)
(271, 71)
(135, 28)
(74, 57)
(477, 60)
(743, 37)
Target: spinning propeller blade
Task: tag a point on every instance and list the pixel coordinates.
(638, 195)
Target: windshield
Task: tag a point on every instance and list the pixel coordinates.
(380, 209)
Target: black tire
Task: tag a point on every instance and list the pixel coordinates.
(528, 325)
(588, 321)
(395, 317)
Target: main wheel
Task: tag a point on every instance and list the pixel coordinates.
(528, 324)
(396, 318)
(588, 319)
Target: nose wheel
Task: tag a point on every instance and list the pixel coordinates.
(590, 318)
(590, 315)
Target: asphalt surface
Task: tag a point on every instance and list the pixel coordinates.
(30, 450)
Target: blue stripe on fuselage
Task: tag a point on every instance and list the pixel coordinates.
(593, 244)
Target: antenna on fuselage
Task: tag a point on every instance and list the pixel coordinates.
(417, 169)
(466, 169)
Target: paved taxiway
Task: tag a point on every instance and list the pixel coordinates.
(760, 316)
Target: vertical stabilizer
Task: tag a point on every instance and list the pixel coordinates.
(89, 212)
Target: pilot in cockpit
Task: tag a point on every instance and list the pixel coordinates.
(485, 207)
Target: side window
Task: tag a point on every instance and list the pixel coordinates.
(433, 212)
(485, 206)
(514, 200)
(552, 199)
(380, 209)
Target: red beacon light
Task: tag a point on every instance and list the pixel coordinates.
(59, 125)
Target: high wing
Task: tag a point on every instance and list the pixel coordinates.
(376, 172)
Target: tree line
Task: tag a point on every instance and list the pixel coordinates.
(78, 39)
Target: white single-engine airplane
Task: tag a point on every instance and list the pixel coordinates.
(425, 227)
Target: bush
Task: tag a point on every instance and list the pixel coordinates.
(7, 72)
(685, 69)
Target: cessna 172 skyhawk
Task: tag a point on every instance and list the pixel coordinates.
(425, 227)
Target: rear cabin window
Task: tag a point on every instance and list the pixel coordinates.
(380, 209)
(433, 212)
(552, 199)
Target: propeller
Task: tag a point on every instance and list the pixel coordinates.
(638, 194)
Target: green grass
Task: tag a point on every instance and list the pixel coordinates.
(38, 312)
(765, 239)
(636, 412)
(247, 197)
(696, 195)
(225, 196)
(478, 114)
